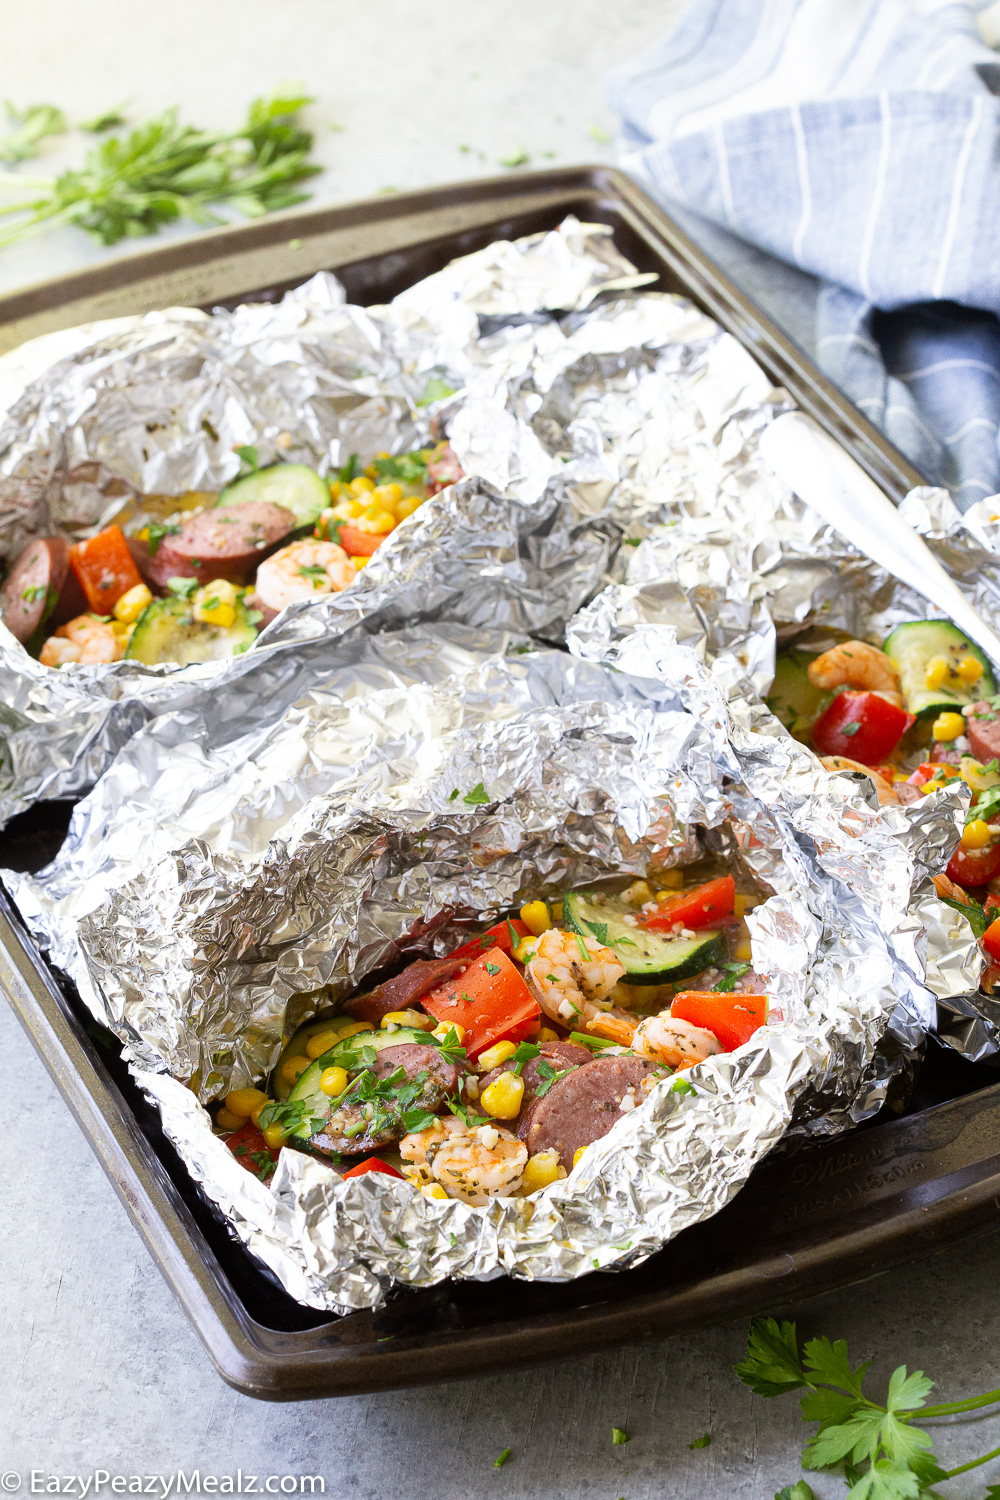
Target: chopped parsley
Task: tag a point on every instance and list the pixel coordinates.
(619, 1437)
(350, 470)
(703, 1442)
(972, 911)
(850, 729)
(408, 468)
(477, 797)
(498, 1463)
(314, 572)
(33, 592)
(731, 973)
(599, 929)
(183, 588)
(493, 969)
(681, 1086)
(248, 457)
(155, 532)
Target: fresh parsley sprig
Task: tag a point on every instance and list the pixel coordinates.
(883, 1455)
(163, 171)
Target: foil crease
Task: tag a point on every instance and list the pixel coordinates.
(95, 418)
(282, 867)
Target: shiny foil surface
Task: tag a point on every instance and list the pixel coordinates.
(390, 767)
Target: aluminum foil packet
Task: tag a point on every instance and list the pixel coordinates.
(736, 580)
(571, 389)
(208, 895)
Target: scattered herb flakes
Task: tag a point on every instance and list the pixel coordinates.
(453, 795)
(598, 133)
(731, 973)
(155, 532)
(498, 1463)
(33, 592)
(477, 797)
(182, 587)
(492, 969)
(850, 729)
(599, 929)
(516, 158)
(702, 1442)
(619, 1437)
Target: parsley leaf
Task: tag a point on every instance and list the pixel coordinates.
(498, 1463)
(350, 470)
(731, 973)
(155, 532)
(702, 1442)
(985, 806)
(599, 929)
(772, 1365)
(800, 1491)
(33, 125)
(248, 457)
(435, 390)
(477, 797)
(850, 729)
(618, 1437)
(492, 969)
(408, 468)
(182, 587)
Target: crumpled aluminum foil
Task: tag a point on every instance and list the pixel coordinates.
(154, 405)
(299, 858)
(738, 578)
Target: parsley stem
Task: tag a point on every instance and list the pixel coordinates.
(952, 1408)
(973, 1464)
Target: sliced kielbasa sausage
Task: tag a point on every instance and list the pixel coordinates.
(553, 1058)
(398, 993)
(583, 1106)
(983, 729)
(227, 542)
(31, 590)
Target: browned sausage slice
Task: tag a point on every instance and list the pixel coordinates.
(583, 1106)
(349, 1130)
(553, 1058)
(396, 994)
(983, 729)
(227, 542)
(31, 590)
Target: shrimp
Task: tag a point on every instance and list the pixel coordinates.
(480, 1165)
(301, 571)
(572, 977)
(419, 1149)
(886, 793)
(668, 1039)
(857, 665)
(86, 640)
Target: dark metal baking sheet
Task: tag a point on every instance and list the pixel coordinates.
(830, 1214)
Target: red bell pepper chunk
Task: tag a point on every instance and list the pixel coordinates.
(974, 866)
(860, 726)
(490, 999)
(505, 935)
(706, 906)
(105, 568)
(250, 1148)
(733, 1018)
(358, 543)
(372, 1164)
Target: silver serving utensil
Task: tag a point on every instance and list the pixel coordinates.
(828, 479)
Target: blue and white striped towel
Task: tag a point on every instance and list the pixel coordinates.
(859, 140)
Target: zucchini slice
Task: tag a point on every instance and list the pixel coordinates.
(296, 487)
(914, 645)
(349, 1049)
(649, 957)
(167, 631)
(792, 698)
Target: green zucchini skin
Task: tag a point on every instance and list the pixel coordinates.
(649, 957)
(915, 643)
(295, 486)
(792, 698)
(167, 631)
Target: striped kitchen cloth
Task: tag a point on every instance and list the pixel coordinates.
(858, 140)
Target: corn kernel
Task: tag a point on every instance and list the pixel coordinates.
(372, 472)
(743, 904)
(495, 1055)
(255, 1113)
(293, 1068)
(672, 880)
(407, 506)
(525, 950)
(546, 1034)
(347, 510)
(557, 912)
(131, 605)
(503, 1098)
(536, 917)
(539, 1171)
(948, 726)
(969, 669)
(215, 604)
(227, 1121)
(360, 562)
(384, 454)
(638, 893)
(389, 494)
(353, 1029)
(445, 1030)
(977, 834)
(742, 951)
(578, 1153)
(361, 486)
(937, 673)
(321, 1042)
(243, 1102)
(416, 1018)
(434, 1190)
(120, 630)
(274, 1136)
(335, 487)
(333, 1081)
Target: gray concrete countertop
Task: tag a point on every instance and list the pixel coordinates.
(100, 1369)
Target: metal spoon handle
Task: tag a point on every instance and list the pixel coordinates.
(828, 479)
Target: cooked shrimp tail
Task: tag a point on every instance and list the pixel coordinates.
(857, 665)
